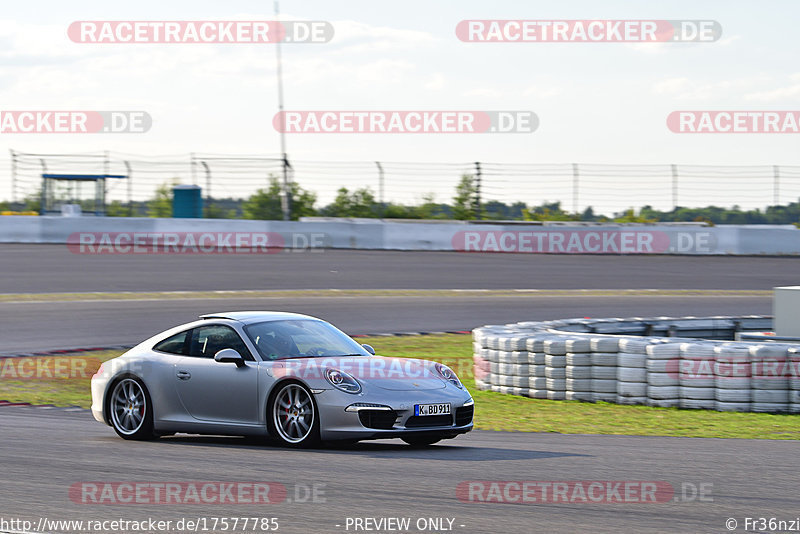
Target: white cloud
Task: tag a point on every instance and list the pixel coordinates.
(538, 91)
(727, 41)
(683, 88)
(791, 92)
(649, 48)
(435, 82)
(356, 37)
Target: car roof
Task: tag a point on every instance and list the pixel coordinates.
(249, 317)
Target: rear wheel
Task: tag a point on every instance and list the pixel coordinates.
(131, 413)
(293, 416)
(421, 441)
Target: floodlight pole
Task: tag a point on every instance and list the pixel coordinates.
(129, 172)
(286, 198)
(208, 187)
(43, 201)
(13, 176)
(380, 187)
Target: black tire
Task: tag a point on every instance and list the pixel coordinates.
(130, 410)
(421, 441)
(293, 418)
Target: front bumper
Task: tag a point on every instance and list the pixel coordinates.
(398, 420)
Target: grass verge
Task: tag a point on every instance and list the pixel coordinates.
(494, 411)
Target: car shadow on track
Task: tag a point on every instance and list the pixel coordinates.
(442, 451)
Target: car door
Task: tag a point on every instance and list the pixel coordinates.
(213, 391)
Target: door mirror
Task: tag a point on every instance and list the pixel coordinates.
(229, 356)
(369, 349)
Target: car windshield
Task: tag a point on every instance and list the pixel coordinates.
(301, 338)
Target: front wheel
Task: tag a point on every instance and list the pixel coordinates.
(421, 442)
(293, 416)
(131, 411)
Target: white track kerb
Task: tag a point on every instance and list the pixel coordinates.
(641, 361)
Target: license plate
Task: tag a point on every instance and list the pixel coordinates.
(432, 409)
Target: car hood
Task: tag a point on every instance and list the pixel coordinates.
(394, 374)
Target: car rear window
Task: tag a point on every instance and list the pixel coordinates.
(174, 344)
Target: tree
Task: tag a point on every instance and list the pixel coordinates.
(213, 211)
(161, 204)
(117, 209)
(466, 198)
(359, 203)
(548, 212)
(630, 216)
(265, 204)
(33, 202)
(430, 209)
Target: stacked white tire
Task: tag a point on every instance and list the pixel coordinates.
(480, 370)
(578, 370)
(794, 380)
(537, 370)
(732, 371)
(604, 368)
(540, 360)
(696, 376)
(555, 360)
(770, 377)
(663, 385)
(632, 371)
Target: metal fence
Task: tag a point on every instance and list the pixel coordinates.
(606, 188)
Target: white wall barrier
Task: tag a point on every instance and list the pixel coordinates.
(571, 360)
(550, 238)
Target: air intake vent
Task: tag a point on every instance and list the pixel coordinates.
(379, 419)
(418, 421)
(464, 415)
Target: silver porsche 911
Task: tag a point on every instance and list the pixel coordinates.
(293, 377)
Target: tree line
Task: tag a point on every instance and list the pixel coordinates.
(265, 204)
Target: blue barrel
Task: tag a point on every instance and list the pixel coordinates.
(187, 202)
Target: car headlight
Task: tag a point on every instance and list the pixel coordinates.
(342, 381)
(448, 374)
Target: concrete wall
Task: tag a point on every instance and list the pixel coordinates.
(375, 234)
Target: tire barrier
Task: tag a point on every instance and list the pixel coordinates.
(687, 362)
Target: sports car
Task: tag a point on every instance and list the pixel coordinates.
(293, 377)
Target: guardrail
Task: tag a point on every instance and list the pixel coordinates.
(375, 234)
(629, 361)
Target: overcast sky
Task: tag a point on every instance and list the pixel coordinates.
(597, 103)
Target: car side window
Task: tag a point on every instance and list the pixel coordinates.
(174, 344)
(209, 340)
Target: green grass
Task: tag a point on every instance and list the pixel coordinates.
(493, 411)
(67, 391)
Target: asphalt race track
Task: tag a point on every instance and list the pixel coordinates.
(53, 449)
(46, 451)
(56, 323)
(52, 268)
(36, 326)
